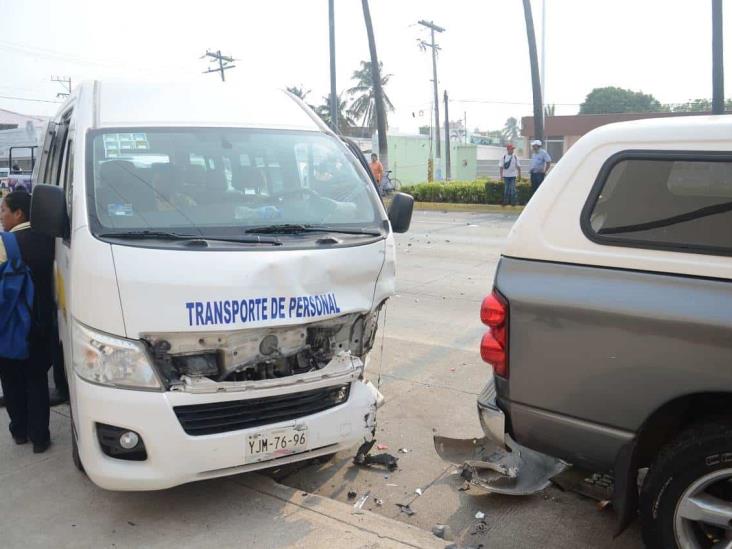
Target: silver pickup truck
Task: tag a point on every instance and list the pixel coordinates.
(610, 326)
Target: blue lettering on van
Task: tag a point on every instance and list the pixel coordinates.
(260, 309)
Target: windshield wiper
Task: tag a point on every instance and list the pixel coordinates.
(162, 235)
(298, 229)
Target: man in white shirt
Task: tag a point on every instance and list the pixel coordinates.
(509, 169)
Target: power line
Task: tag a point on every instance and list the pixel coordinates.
(28, 99)
(223, 60)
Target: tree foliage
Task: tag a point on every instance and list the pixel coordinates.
(363, 107)
(612, 99)
(699, 105)
(345, 117)
(510, 132)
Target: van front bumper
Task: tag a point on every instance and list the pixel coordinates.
(175, 457)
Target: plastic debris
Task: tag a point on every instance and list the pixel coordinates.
(378, 501)
(386, 460)
(358, 506)
(405, 508)
(480, 515)
(440, 531)
(391, 484)
(418, 491)
(403, 450)
(382, 447)
(352, 494)
(602, 505)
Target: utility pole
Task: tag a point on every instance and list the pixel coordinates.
(333, 95)
(447, 141)
(65, 81)
(434, 28)
(223, 61)
(717, 58)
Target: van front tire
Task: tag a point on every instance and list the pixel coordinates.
(689, 474)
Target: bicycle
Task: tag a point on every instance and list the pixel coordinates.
(389, 185)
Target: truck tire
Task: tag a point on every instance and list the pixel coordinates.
(686, 498)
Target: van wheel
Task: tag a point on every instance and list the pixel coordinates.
(686, 499)
(75, 450)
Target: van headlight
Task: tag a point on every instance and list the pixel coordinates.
(108, 360)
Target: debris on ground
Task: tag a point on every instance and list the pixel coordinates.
(382, 447)
(465, 487)
(403, 450)
(405, 508)
(358, 506)
(604, 504)
(352, 494)
(491, 468)
(392, 484)
(479, 529)
(378, 501)
(480, 515)
(386, 460)
(418, 491)
(441, 531)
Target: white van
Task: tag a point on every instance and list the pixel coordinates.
(221, 261)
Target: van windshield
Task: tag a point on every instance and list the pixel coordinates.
(222, 182)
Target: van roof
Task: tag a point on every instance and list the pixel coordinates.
(143, 104)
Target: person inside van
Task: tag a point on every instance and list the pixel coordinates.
(25, 382)
(167, 194)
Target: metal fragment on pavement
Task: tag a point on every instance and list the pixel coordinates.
(490, 468)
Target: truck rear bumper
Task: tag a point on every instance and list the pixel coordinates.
(496, 463)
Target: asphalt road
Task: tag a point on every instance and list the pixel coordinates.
(431, 373)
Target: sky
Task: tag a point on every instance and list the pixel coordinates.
(661, 47)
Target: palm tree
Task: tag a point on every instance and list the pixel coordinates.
(511, 130)
(535, 82)
(379, 106)
(364, 103)
(345, 118)
(298, 91)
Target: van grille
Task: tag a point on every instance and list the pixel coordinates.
(222, 417)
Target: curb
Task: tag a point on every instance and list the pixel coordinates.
(477, 208)
(390, 530)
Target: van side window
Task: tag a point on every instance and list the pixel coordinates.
(670, 201)
(68, 175)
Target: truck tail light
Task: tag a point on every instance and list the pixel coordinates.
(494, 345)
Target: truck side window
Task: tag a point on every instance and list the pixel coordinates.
(672, 202)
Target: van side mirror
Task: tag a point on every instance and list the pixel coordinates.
(48, 211)
(400, 212)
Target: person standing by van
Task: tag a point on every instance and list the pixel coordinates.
(377, 169)
(25, 382)
(540, 162)
(509, 170)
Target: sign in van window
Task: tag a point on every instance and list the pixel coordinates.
(678, 204)
(119, 144)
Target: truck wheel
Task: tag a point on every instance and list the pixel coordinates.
(686, 499)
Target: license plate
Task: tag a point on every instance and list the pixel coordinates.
(275, 443)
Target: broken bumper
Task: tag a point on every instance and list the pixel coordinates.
(496, 463)
(175, 457)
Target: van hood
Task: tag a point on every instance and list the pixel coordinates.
(163, 290)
